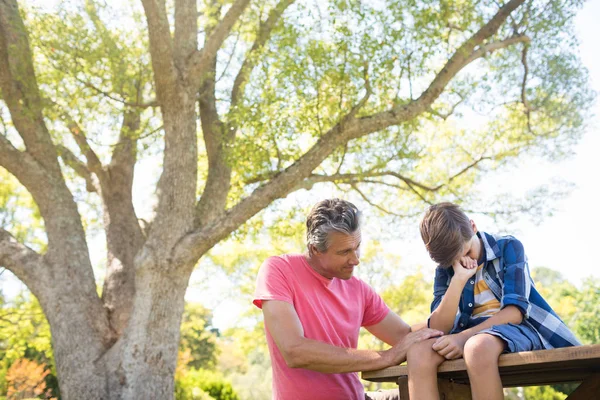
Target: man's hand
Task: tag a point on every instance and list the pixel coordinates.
(464, 268)
(397, 354)
(450, 346)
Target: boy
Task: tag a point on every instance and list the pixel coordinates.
(485, 302)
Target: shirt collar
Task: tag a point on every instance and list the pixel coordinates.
(492, 250)
(325, 281)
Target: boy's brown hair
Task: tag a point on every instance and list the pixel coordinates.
(445, 229)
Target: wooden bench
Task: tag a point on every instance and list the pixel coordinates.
(530, 368)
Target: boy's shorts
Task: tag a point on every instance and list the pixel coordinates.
(521, 337)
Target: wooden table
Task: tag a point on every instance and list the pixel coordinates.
(530, 368)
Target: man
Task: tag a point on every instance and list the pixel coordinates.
(314, 308)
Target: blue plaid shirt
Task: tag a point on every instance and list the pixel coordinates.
(507, 274)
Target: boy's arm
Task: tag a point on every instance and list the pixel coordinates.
(443, 316)
(282, 322)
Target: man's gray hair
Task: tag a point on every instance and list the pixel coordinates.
(331, 215)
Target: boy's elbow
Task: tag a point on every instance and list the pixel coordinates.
(434, 323)
(517, 315)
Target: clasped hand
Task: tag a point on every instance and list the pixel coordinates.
(464, 268)
(450, 346)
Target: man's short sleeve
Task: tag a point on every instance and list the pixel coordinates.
(375, 308)
(271, 282)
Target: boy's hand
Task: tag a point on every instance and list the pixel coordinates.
(468, 262)
(464, 268)
(450, 346)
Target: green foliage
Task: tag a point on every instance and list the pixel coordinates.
(198, 336)
(543, 393)
(587, 323)
(208, 382)
(16, 206)
(25, 335)
(92, 63)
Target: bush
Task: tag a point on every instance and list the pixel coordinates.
(195, 384)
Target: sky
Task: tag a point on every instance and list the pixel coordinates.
(564, 241)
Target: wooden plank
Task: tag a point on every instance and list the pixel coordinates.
(403, 387)
(453, 391)
(589, 389)
(540, 367)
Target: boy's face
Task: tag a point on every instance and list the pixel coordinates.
(472, 248)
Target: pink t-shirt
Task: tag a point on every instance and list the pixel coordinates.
(330, 310)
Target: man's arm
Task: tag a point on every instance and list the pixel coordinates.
(391, 330)
(282, 322)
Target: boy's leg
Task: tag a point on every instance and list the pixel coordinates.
(481, 357)
(423, 362)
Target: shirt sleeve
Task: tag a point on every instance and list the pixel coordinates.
(517, 281)
(375, 308)
(440, 286)
(271, 283)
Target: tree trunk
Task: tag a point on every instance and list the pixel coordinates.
(142, 363)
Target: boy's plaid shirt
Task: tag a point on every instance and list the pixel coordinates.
(507, 274)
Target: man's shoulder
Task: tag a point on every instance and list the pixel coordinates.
(285, 259)
(283, 262)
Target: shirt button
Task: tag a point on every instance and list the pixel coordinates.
(461, 324)
(472, 282)
(470, 304)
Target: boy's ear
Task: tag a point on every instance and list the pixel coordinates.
(473, 226)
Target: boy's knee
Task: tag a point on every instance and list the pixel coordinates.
(421, 355)
(482, 351)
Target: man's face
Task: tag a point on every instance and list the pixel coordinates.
(343, 254)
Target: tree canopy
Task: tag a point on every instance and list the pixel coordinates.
(224, 107)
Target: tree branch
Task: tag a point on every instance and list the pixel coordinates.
(161, 48)
(447, 115)
(528, 108)
(125, 151)
(250, 61)
(186, 30)
(124, 237)
(20, 89)
(493, 46)
(460, 59)
(200, 61)
(18, 258)
(78, 166)
(373, 204)
(93, 162)
(147, 104)
(283, 183)
(214, 196)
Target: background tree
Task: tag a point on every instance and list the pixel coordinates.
(286, 95)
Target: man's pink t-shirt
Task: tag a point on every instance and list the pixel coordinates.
(330, 310)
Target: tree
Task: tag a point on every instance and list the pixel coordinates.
(288, 95)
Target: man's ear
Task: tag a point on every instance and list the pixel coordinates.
(312, 249)
(473, 226)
